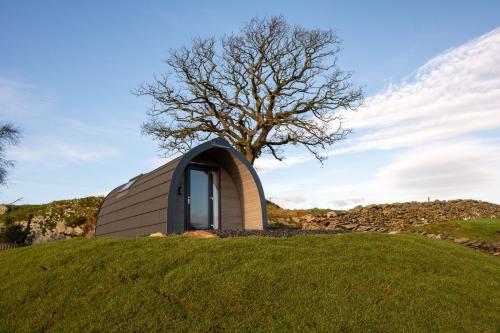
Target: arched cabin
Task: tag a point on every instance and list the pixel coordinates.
(211, 187)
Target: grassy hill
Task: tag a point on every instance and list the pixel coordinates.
(341, 283)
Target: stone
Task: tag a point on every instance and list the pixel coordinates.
(348, 226)
(3, 209)
(60, 227)
(77, 231)
(405, 215)
(308, 218)
(461, 240)
(331, 214)
(363, 228)
(157, 234)
(200, 234)
(311, 226)
(332, 225)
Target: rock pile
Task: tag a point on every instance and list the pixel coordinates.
(402, 216)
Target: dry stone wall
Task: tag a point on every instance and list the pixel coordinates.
(401, 216)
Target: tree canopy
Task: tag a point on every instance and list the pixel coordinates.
(269, 85)
(9, 135)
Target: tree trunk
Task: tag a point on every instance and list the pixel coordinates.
(250, 155)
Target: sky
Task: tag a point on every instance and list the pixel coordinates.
(429, 129)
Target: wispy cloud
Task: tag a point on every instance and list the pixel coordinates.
(267, 164)
(116, 128)
(58, 153)
(455, 93)
(465, 168)
(19, 98)
(436, 121)
(11, 100)
(348, 202)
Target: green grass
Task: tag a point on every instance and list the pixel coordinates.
(329, 283)
(275, 211)
(20, 212)
(482, 229)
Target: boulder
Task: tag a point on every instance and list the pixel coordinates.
(311, 226)
(157, 234)
(363, 228)
(461, 240)
(331, 214)
(309, 218)
(3, 209)
(60, 227)
(348, 226)
(77, 231)
(200, 234)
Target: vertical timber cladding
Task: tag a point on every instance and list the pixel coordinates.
(154, 202)
(249, 196)
(249, 189)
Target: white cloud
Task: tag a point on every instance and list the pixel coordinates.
(455, 93)
(466, 168)
(61, 153)
(435, 119)
(348, 202)
(266, 164)
(117, 128)
(156, 162)
(286, 201)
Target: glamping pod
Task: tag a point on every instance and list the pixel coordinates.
(211, 187)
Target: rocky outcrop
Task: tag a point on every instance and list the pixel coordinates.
(56, 220)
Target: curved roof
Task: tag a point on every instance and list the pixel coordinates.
(143, 205)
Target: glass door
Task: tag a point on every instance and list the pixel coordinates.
(202, 198)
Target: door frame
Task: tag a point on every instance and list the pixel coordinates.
(211, 171)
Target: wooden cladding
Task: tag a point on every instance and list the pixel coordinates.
(144, 208)
(139, 209)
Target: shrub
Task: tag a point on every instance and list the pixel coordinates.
(16, 233)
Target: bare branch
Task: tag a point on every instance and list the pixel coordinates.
(270, 85)
(9, 135)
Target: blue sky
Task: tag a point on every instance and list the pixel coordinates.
(431, 71)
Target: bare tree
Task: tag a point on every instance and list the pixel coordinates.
(9, 135)
(270, 85)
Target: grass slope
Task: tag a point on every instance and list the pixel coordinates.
(483, 229)
(348, 283)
